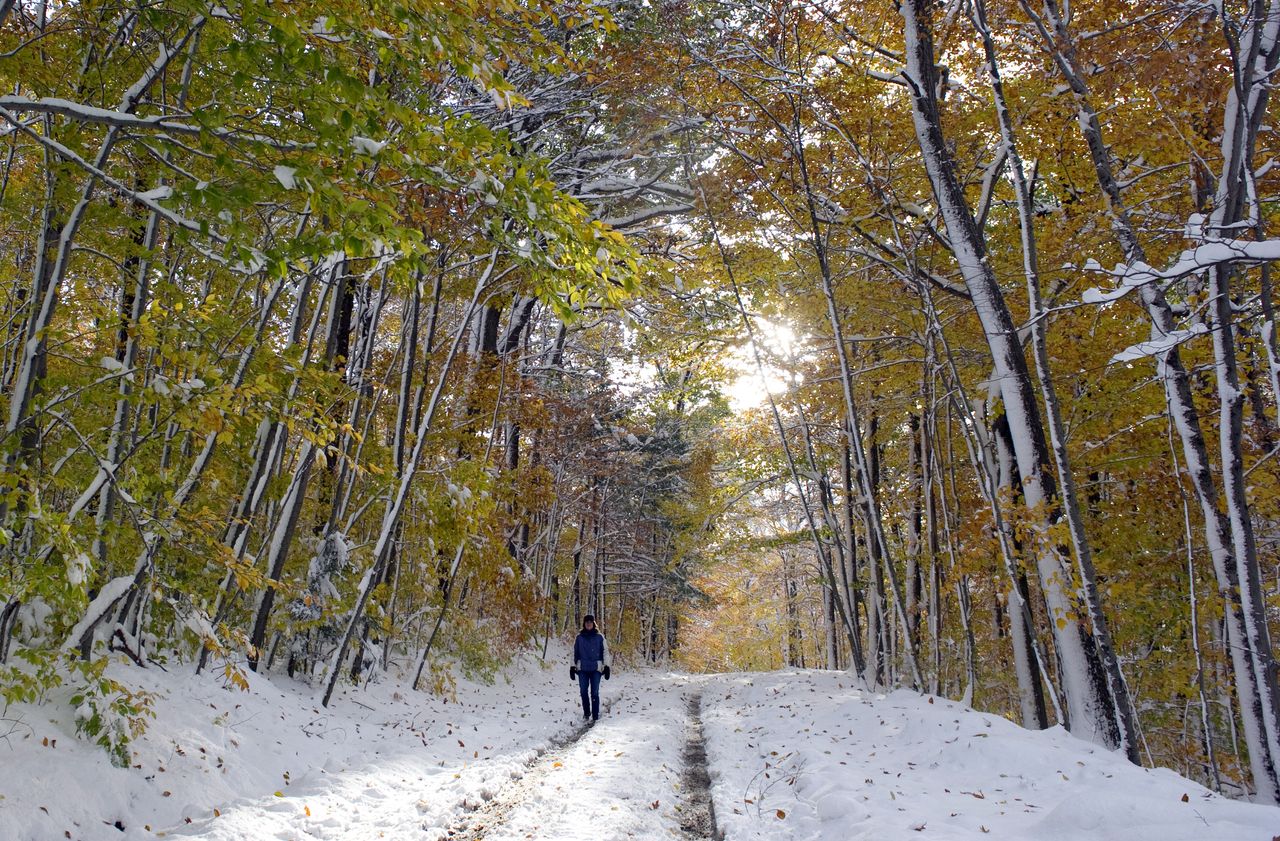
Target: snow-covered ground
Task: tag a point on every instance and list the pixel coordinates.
(792, 755)
(619, 780)
(219, 763)
(808, 755)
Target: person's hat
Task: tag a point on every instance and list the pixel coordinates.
(589, 618)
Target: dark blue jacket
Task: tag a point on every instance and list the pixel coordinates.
(590, 651)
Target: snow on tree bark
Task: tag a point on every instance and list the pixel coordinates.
(1088, 699)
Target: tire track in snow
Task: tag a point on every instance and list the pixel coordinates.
(697, 812)
(482, 819)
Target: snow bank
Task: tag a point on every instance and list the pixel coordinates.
(217, 763)
(806, 755)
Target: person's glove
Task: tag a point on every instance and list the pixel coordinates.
(573, 673)
(606, 672)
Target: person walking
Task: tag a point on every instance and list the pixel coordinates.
(590, 662)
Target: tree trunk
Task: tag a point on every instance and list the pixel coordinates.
(1084, 680)
(1124, 715)
(1226, 533)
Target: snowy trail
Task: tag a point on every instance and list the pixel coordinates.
(403, 794)
(623, 778)
(788, 756)
(384, 762)
(699, 815)
(483, 816)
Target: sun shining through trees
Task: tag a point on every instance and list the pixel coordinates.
(747, 387)
(369, 346)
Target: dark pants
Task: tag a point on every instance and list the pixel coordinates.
(590, 705)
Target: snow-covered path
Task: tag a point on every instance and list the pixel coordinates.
(591, 782)
(621, 778)
(789, 756)
(383, 762)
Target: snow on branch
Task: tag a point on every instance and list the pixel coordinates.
(148, 199)
(1207, 255)
(610, 185)
(643, 215)
(111, 592)
(1161, 345)
(83, 113)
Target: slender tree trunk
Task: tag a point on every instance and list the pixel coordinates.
(1225, 533)
(1083, 676)
(927, 431)
(1206, 717)
(849, 577)
(915, 522)
(1125, 717)
(282, 535)
(124, 590)
(395, 505)
(1018, 598)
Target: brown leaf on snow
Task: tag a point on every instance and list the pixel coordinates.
(1186, 799)
(781, 814)
(653, 805)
